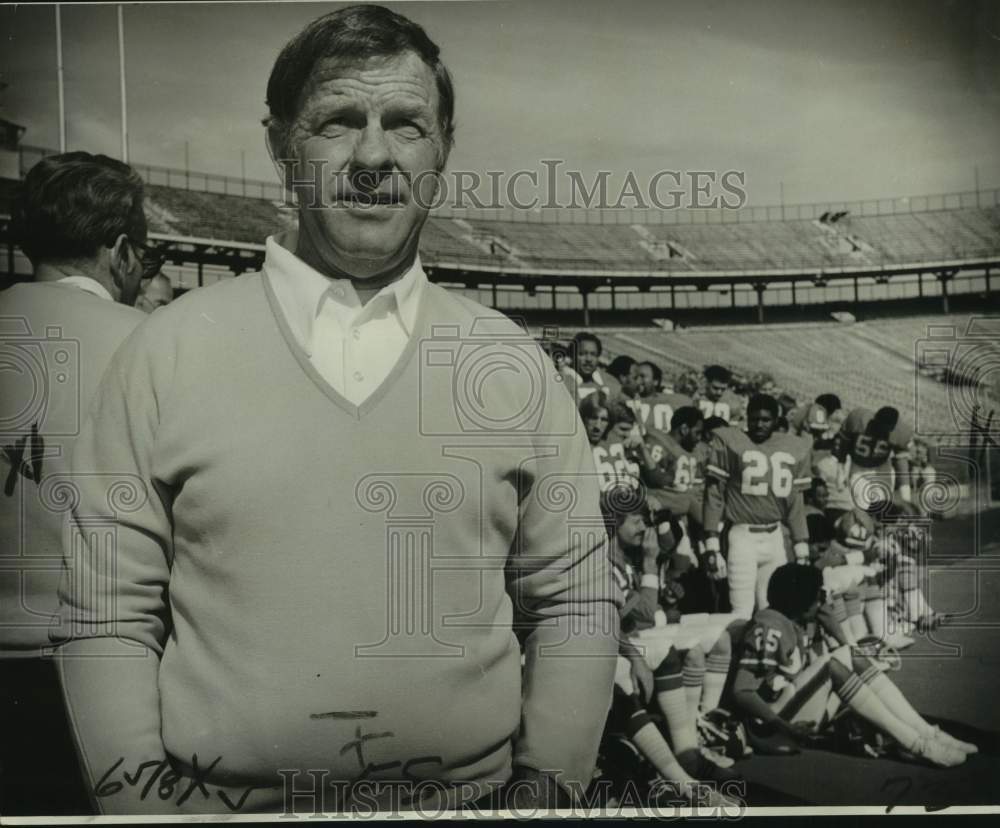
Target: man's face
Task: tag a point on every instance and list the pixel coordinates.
(596, 425)
(647, 382)
(821, 496)
(631, 530)
(689, 436)
(715, 389)
(760, 425)
(621, 430)
(630, 381)
(369, 132)
(587, 354)
(154, 293)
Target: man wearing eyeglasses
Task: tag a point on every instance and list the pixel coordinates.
(79, 219)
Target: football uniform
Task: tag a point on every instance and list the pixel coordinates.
(790, 675)
(616, 465)
(600, 380)
(683, 491)
(731, 407)
(761, 487)
(853, 546)
(806, 420)
(871, 476)
(657, 410)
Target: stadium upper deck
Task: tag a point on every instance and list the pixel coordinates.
(641, 263)
(850, 243)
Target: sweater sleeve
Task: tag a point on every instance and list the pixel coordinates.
(561, 584)
(116, 570)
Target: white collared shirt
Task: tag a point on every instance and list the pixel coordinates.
(352, 346)
(87, 284)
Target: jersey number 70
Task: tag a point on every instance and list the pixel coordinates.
(762, 472)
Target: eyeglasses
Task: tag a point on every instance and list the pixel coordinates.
(151, 258)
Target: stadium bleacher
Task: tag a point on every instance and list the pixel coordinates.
(529, 246)
(868, 364)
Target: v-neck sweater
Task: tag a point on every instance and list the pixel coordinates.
(294, 559)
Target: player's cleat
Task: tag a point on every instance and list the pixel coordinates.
(952, 742)
(898, 641)
(701, 766)
(935, 752)
(886, 658)
(721, 731)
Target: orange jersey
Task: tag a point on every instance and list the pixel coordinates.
(657, 410)
(773, 645)
(761, 482)
(615, 464)
(600, 380)
(731, 407)
(807, 419)
(868, 450)
(683, 467)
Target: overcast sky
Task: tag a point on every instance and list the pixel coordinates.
(838, 100)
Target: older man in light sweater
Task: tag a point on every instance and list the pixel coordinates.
(349, 494)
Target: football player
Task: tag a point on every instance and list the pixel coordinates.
(625, 370)
(636, 557)
(850, 564)
(620, 456)
(718, 399)
(588, 377)
(873, 450)
(754, 482)
(655, 408)
(813, 419)
(789, 689)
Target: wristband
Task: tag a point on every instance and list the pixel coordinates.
(801, 551)
(650, 581)
(712, 544)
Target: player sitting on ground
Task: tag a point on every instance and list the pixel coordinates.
(636, 555)
(718, 399)
(754, 482)
(850, 564)
(901, 538)
(787, 688)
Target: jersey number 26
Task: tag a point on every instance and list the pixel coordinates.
(761, 471)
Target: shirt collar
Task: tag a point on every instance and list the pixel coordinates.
(301, 289)
(87, 284)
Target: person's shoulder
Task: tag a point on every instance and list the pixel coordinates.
(902, 434)
(75, 313)
(206, 307)
(858, 418)
(474, 319)
(730, 437)
(797, 445)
